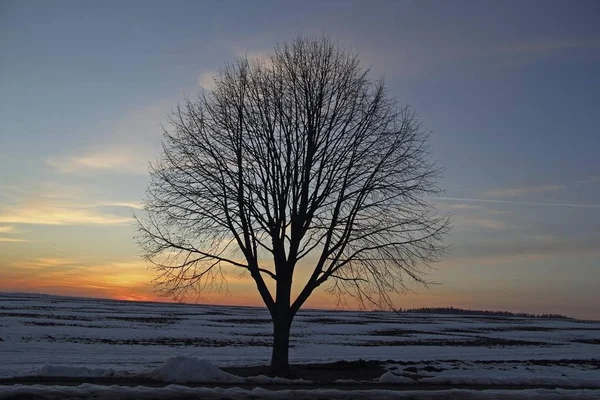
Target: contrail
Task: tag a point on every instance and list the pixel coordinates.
(526, 203)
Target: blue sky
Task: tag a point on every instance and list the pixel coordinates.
(510, 90)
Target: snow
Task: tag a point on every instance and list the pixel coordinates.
(263, 379)
(473, 377)
(61, 336)
(390, 377)
(178, 369)
(64, 370)
(88, 391)
(182, 369)
(504, 373)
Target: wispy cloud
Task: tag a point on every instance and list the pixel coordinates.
(550, 45)
(523, 190)
(9, 230)
(471, 215)
(527, 52)
(206, 79)
(481, 222)
(6, 229)
(463, 207)
(103, 160)
(112, 279)
(124, 279)
(127, 149)
(592, 179)
(516, 202)
(252, 55)
(495, 260)
(126, 204)
(47, 262)
(524, 247)
(57, 203)
(55, 215)
(6, 239)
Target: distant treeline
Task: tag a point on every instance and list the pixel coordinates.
(461, 311)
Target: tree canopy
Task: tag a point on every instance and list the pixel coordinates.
(294, 160)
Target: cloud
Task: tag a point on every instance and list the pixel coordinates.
(103, 160)
(550, 45)
(251, 55)
(525, 203)
(463, 207)
(592, 179)
(206, 80)
(128, 279)
(422, 58)
(127, 204)
(521, 247)
(471, 215)
(523, 190)
(56, 203)
(504, 256)
(68, 195)
(111, 279)
(481, 222)
(6, 229)
(127, 149)
(527, 52)
(465, 215)
(55, 215)
(46, 262)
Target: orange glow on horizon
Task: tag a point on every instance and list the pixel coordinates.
(131, 280)
(243, 294)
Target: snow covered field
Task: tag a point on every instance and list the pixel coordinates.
(48, 335)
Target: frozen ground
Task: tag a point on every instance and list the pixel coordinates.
(47, 335)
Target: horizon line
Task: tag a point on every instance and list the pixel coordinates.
(174, 302)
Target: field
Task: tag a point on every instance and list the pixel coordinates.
(48, 335)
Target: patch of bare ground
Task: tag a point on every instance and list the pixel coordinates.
(474, 342)
(244, 321)
(160, 341)
(398, 332)
(47, 323)
(333, 321)
(81, 318)
(359, 370)
(146, 320)
(587, 341)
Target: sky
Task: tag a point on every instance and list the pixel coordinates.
(510, 90)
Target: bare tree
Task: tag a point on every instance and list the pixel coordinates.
(296, 160)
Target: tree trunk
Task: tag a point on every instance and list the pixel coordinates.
(282, 321)
(281, 345)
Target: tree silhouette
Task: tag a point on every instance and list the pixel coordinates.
(295, 160)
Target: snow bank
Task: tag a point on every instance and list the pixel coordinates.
(182, 369)
(390, 377)
(97, 392)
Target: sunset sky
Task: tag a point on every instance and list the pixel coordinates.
(511, 91)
